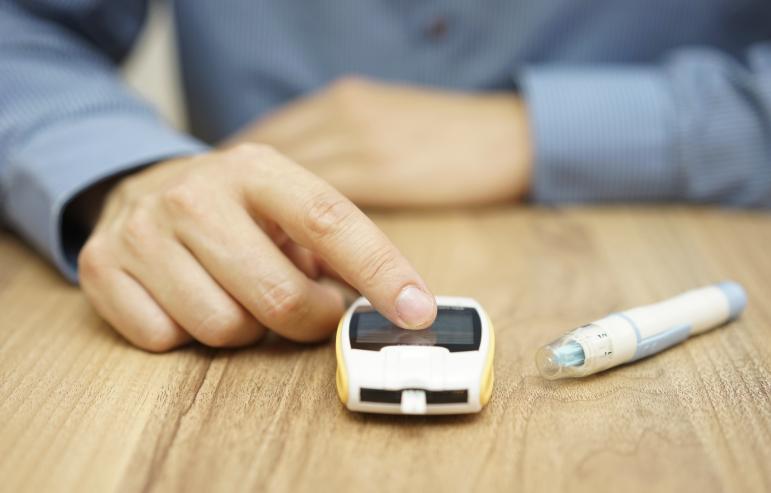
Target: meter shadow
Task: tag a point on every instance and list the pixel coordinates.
(411, 421)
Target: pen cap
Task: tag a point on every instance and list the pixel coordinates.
(737, 298)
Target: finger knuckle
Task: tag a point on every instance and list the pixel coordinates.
(326, 214)
(252, 151)
(93, 259)
(138, 232)
(221, 327)
(184, 199)
(249, 159)
(160, 337)
(285, 304)
(378, 264)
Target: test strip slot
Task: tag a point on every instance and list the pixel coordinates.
(381, 396)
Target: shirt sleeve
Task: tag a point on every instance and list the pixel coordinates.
(66, 120)
(695, 128)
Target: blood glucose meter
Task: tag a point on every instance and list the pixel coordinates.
(446, 368)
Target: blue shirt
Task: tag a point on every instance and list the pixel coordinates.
(633, 100)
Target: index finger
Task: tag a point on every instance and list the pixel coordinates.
(318, 217)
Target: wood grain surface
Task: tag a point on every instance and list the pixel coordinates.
(81, 410)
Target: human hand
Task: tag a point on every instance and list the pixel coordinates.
(221, 246)
(387, 145)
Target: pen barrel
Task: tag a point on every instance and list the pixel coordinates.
(653, 328)
(633, 334)
(700, 310)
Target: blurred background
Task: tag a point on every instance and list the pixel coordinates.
(152, 68)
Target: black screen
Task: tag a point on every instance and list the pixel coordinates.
(457, 329)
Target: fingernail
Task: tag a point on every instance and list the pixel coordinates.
(414, 306)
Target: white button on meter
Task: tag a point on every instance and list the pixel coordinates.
(413, 402)
(444, 369)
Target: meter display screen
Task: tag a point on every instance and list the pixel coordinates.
(455, 328)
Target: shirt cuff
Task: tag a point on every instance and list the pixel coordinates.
(46, 171)
(601, 134)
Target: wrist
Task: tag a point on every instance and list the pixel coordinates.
(517, 148)
(84, 210)
(81, 214)
(523, 149)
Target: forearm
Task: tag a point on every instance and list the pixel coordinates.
(66, 121)
(692, 129)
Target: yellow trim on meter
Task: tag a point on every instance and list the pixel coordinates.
(341, 377)
(488, 374)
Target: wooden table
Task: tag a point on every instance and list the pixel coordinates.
(82, 410)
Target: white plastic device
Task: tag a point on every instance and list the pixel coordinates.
(444, 369)
(640, 332)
